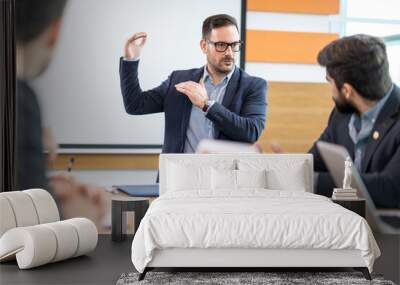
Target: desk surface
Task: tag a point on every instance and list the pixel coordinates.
(102, 266)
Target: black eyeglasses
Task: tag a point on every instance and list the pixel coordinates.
(223, 46)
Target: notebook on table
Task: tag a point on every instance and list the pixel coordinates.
(149, 190)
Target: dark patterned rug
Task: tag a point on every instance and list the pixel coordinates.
(225, 278)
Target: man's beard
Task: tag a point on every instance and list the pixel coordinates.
(343, 106)
(220, 67)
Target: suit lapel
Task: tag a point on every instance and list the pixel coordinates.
(230, 94)
(386, 119)
(230, 91)
(187, 104)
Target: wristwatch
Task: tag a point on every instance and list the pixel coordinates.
(207, 105)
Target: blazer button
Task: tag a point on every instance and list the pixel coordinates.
(375, 135)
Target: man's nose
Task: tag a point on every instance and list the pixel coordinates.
(229, 51)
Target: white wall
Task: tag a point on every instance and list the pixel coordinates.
(80, 91)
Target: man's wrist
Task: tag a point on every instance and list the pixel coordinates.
(207, 105)
(131, 59)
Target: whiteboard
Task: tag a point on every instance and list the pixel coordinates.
(80, 92)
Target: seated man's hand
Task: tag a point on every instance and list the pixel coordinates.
(277, 148)
(79, 199)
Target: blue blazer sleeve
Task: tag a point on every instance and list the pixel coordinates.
(136, 101)
(249, 124)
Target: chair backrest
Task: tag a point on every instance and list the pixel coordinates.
(26, 208)
(281, 164)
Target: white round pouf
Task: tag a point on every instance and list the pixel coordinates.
(31, 232)
(7, 218)
(45, 205)
(23, 208)
(87, 234)
(67, 239)
(34, 246)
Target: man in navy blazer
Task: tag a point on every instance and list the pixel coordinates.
(218, 100)
(366, 118)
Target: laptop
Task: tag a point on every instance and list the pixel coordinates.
(382, 220)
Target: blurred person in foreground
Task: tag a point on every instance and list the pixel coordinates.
(38, 28)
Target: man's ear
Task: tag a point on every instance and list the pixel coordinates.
(203, 45)
(53, 33)
(348, 91)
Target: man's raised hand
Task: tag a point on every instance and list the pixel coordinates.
(134, 45)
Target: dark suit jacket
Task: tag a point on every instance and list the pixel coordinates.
(30, 157)
(240, 117)
(381, 162)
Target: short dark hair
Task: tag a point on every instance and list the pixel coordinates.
(217, 21)
(34, 16)
(360, 61)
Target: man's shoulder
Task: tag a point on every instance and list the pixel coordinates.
(188, 72)
(239, 74)
(250, 79)
(26, 96)
(338, 116)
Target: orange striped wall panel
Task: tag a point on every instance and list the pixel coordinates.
(285, 47)
(321, 7)
(297, 115)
